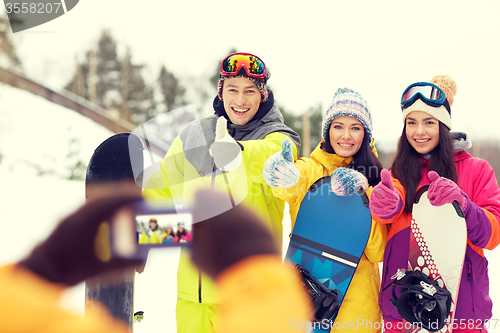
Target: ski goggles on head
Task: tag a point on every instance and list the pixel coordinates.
(429, 93)
(253, 65)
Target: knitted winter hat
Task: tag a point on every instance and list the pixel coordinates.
(449, 87)
(347, 102)
(260, 83)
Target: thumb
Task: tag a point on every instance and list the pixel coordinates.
(220, 128)
(286, 150)
(385, 176)
(433, 175)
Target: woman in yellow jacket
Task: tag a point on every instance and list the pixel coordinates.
(347, 143)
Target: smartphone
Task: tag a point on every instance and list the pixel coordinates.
(141, 226)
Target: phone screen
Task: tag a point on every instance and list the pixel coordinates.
(139, 227)
(164, 228)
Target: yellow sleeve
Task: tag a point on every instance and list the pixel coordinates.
(31, 304)
(144, 239)
(259, 294)
(375, 247)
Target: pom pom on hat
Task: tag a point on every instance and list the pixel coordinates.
(347, 102)
(447, 85)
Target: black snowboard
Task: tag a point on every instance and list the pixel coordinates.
(118, 158)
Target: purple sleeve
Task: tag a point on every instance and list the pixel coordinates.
(478, 224)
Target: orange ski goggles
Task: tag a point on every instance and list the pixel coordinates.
(253, 65)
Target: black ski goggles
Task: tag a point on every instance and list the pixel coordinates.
(253, 65)
(429, 93)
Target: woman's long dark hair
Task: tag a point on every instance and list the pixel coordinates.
(179, 234)
(408, 162)
(364, 160)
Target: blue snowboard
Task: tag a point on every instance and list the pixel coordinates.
(330, 235)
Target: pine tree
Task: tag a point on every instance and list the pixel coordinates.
(100, 74)
(295, 122)
(316, 121)
(8, 56)
(137, 95)
(108, 81)
(171, 90)
(114, 82)
(214, 79)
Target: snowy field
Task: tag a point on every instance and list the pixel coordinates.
(34, 130)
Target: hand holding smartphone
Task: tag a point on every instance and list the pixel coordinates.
(141, 226)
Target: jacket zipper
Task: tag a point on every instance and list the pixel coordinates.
(199, 286)
(469, 277)
(199, 271)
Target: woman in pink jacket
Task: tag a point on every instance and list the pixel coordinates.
(428, 151)
(182, 235)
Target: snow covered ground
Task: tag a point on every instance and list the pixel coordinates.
(34, 130)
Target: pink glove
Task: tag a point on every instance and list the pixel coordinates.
(443, 190)
(384, 200)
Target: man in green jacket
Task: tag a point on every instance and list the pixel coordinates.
(225, 152)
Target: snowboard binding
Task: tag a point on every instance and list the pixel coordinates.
(326, 304)
(421, 300)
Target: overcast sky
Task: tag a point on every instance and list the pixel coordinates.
(375, 47)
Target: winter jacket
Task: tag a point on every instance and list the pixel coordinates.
(153, 238)
(183, 239)
(477, 180)
(165, 238)
(259, 294)
(361, 300)
(29, 304)
(270, 299)
(188, 166)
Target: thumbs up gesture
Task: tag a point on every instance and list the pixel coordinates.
(443, 190)
(279, 170)
(385, 201)
(225, 151)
